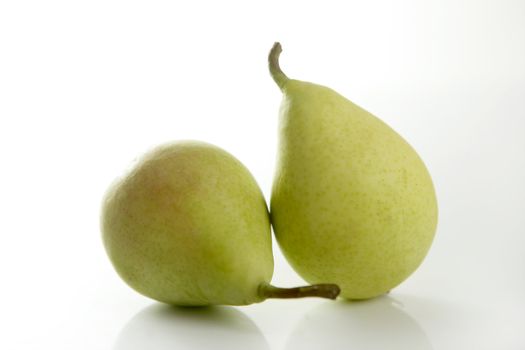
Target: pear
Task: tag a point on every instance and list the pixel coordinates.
(188, 225)
(352, 202)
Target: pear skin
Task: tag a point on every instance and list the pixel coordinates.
(188, 225)
(352, 202)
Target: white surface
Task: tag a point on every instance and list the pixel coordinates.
(86, 86)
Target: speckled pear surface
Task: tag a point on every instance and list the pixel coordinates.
(188, 225)
(352, 202)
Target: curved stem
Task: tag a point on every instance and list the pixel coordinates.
(329, 291)
(273, 62)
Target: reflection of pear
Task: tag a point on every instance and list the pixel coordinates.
(163, 327)
(374, 324)
(352, 203)
(188, 225)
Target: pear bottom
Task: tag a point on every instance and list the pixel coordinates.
(367, 255)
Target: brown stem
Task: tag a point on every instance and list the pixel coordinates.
(275, 70)
(329, 291)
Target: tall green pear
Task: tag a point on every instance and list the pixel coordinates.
(352, 202)
(188, 225)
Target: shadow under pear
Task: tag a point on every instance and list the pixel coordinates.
(162, 327)
(380, 323)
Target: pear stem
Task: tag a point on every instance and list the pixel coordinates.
(329, 291)
(275, 70)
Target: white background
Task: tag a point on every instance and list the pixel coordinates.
(86, 86)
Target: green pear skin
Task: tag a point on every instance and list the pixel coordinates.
(188, 225)
(352, 202)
